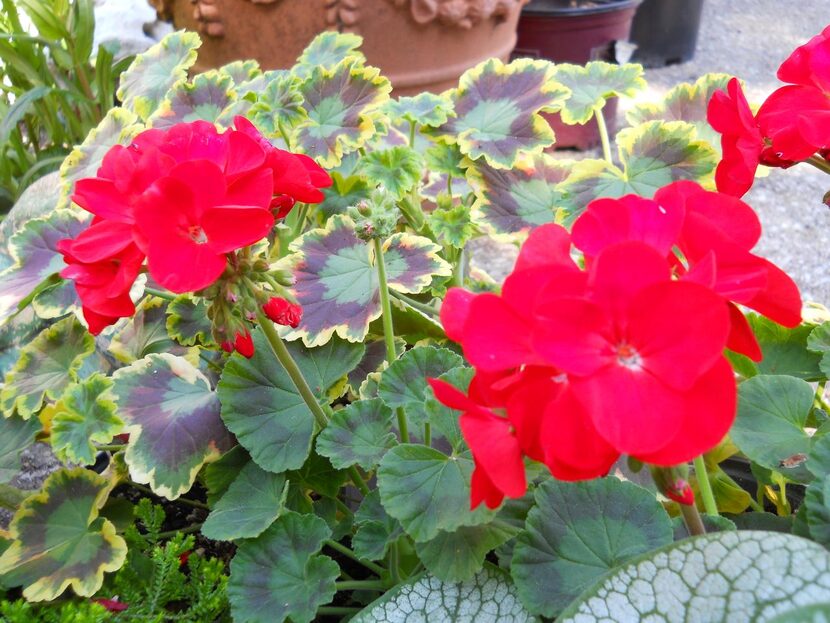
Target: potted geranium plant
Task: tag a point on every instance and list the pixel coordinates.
(283, 391)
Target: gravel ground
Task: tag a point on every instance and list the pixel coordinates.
(750, 39)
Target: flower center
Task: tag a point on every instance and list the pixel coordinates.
(628, 357)
(197, 234)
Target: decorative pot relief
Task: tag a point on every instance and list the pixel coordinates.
(460, 13)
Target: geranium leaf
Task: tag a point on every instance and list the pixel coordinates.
(593, 84)
(685, 102)
(58, 540)
(651, 155)
(376, 530)
(144, 333)
(172, 416)
(346, 191)
(489, 597)
(804, 614)
(769, 428)
(577, 532)
(518, 199)
(359, 434)
(427, 491)
(425, 109)
(497, 108)
(187, 321)
(444, 420)
(241, 72)
(723, 577)
(118, 127)
(785, 351)
(318, 474)
(84, 416)
(819, 342)
(219, 475)
(206, 97)
(34, 249)
(397, 169)
(262, 407)
(451, 224)
(279, 106)
(817, 505)
(326, 50)
(404, 382)
(374, 360)
(251, 503)
(457, 556)
(152, 73)
(16, 434)
(340, 102)
(336, 280)
(46, 366)
(280, 574)
(444, 158)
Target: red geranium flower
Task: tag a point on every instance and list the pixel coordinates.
(283, 312)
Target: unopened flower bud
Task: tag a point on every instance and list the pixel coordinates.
(283, 312)
(671, 482)
(244, 344)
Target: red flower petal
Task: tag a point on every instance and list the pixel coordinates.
(102, 198)
(741, 338)
(495, 336)
(454, 312)
(232, 227)
(547, 245)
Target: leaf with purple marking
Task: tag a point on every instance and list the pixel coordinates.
(336, 278)
(279, 106)
(326, 50)
(172, 416)
(145, 333)
(58, 539)
(35, 252)
(341, 103)
(685, 102)
(497, 110)
(188, 322)
(425, 109)
(593, 84)
(241, 72)
(652, 155)
(518, 199)
(153, 72)
(206, 97)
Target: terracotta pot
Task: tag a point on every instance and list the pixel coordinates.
(418, 44)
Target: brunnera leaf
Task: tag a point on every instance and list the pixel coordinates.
(172, 416)
(262, 406)
(742, 575)
(341, 103)
(58, 539)
(336, 278)
(497, 110)
(153, 72)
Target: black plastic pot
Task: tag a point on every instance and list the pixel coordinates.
(563, 31)
(665, 31)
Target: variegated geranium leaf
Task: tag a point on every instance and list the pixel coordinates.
(206, 97)
(497, 110)
(118, 127)
(151, 75)
(144, 333)
(345, 192)
(16, 434)
(340, 103)
(58, 539)
(84, 415)
(685, 102)
(187, 321)
(279, 106)
(425, 109)
(336, 278)
(593, 84)
(326, 50)
(172, 416)
(241, 72)
(46, 366)
(34, 249)
(652, 155)
(518, 199)
(397, 169)
(262, 406)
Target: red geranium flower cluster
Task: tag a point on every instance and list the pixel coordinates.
(574, 366)
(182, 198)
(791, 125)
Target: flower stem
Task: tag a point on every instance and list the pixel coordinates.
(603, 135)
(820, 163)
(692, 519)
(360, 585)
(421, 307)
(412, 127)
(427, 434)
(113, 447)
(186, 530)
(388, 330)
(350, 554)
(167, 296)
(705, 486)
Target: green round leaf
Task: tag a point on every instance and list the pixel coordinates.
(58, 540)
(187, 321)
(489, 597)
(261, 404)
(577, 532)
(427, 491)
(46, 366)
(172, 416)
(16, 434)
(360, 434)
(769, 428)
(458, 556)
(425, 109)
(816, 613)
(397, 169)
(251, 503)
(376, 530)
(785, 351)
(817, 513)
(724, 577)
(280, 575)
(279, 105)
(326, 50)
(819, 342)
(594, 83)
(84, 416)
